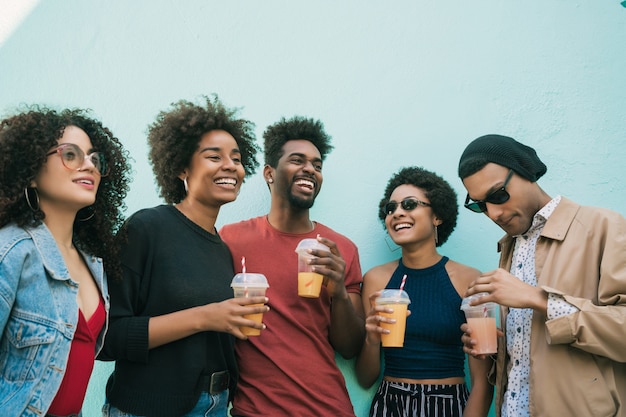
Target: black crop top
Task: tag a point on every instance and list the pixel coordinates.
(432, 343)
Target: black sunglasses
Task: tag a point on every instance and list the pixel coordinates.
(408, 204)
(500, 196)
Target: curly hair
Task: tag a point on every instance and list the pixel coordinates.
(443, 198)
(297, 127)
(26, 138)
(174, 137)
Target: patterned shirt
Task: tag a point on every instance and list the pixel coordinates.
(518, 321)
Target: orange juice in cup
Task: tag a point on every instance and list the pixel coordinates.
(250, 285)
(309, 282)
(398, 300)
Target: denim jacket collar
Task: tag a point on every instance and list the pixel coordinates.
(53, 260)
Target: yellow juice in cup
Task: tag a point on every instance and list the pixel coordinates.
(257, 317)
(395, 338)
(309, 284)
(398, 301)
(250, 285)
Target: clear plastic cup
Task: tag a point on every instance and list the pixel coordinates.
(309, 282)
(399, 301)
(250, 285)
(481, 318)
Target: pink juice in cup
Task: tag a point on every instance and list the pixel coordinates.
(481, 319)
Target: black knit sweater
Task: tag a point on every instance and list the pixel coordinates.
(169, 264)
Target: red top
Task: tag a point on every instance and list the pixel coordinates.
(293, 355)
(71, 393)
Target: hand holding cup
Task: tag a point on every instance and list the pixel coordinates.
(249, 285)
(309, 282)
(398, 301)
(481, 319)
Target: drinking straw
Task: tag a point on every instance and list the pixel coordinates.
(243, 271)
(403, 282)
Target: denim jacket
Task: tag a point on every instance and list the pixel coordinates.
(38, 318)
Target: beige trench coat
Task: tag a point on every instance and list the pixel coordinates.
(577, 362)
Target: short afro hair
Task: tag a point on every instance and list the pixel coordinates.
(174, 137)
(442, 197)
(298, 127)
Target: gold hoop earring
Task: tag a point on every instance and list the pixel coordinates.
(34, 209)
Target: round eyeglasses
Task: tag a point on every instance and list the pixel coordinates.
(408, 204)
(73, 158)
(500, 196)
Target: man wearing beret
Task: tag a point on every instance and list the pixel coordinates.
(561, 286)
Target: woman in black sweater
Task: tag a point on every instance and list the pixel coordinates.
(172, 316)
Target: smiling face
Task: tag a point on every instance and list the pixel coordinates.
(61, 188)
(215, 173)
(298, 174)
(417, 225)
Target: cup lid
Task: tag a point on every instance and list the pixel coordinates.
(249, 279)
(393, 296)
(306, 244)
(465, 304)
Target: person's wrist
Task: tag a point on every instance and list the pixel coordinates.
(341, 294)
(372, 343)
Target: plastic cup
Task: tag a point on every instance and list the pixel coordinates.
(399, 301)
(309, 282)
(481, 319)
(250, 285)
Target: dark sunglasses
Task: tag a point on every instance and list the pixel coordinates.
(408, 204)
(500, 196)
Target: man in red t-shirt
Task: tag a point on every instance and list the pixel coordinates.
(290, 369)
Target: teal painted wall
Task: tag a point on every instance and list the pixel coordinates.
(396, 83)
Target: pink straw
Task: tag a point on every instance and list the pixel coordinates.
(243, 271)
(403, 282)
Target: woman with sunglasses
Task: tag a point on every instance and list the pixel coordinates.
(426, 376)
(63, 180)
(173, 316)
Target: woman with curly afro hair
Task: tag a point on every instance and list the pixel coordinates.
(63, 180)
(426, 376)
(173, 318)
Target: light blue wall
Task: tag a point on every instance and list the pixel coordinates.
(396, 83)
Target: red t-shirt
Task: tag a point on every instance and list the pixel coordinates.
(71, 393)
(290, 368)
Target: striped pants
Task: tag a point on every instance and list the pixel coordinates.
(396, 399)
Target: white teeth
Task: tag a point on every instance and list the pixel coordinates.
(305, 183)
(402, 226)
(230, 181)
(85, 182)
